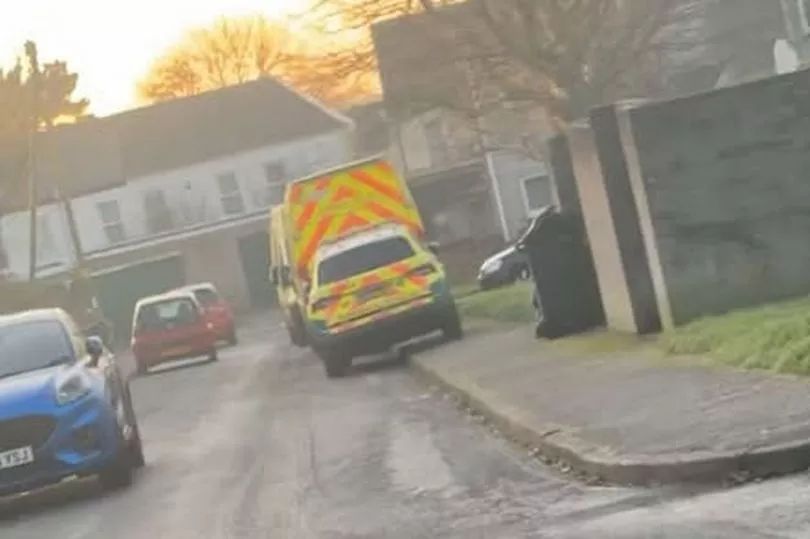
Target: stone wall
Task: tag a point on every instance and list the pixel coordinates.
(725, 180)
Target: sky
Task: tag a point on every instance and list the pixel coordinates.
(112, 43)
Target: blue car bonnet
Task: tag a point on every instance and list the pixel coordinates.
(20, 393)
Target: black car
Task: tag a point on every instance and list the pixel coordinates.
(503, 268)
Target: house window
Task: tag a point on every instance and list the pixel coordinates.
(536, 193)
(274, 174)
(230, 194)
(437, 142)
(158, 215)
(46, 243)
(804, 15)
(110, 214)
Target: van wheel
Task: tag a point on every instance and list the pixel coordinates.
(296, 330)
(233, 338)
(452, 328)
(336, 365)
(213, 355)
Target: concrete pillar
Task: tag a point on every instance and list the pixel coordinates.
(612, 223)
(562, 175)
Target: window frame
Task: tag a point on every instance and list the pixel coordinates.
(272, 183)
(232, 196)
(532, 212)
(112, 225)
(440, 153)
(159, 194)
(804, 17)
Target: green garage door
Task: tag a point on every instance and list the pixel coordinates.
(120, 290)
(254, 252)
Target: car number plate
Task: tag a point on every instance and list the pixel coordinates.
(16, 457)
(176, 351)
(372, 293)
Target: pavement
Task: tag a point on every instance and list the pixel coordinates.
(262, 445)
(628, 415)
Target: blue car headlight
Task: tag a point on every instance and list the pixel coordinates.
(71, 387)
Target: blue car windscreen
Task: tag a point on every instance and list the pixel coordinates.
(30, 346)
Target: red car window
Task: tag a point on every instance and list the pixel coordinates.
(206, 296)
(166, 314)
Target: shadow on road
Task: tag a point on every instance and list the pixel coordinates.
(176, 366)
(62, 495)
(397, 357)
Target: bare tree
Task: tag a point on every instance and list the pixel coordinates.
(236, 50)
(562, 56)
(231, 51)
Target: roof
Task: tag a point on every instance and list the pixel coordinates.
(196, 286)
(339, 168)
(167, 296)
(372, 132)
(102, 153)
(220, 122)
(36, 315)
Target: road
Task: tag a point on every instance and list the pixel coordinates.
(261, 444)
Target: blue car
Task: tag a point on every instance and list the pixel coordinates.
(65, 409)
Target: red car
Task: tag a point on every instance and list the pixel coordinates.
(169, 327)
(216, 310)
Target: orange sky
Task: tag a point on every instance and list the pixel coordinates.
(111, 43)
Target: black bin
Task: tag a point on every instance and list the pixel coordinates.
(566, 294)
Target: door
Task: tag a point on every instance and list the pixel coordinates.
(120, 290)
(255, 256)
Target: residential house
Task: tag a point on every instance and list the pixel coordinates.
(471, 175)
(174, 192)
(371, 133)
(716, 43)
(797, 28)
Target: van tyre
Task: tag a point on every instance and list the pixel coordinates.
(295, 329)
(452, 328)
(213, 355)
(336, 365)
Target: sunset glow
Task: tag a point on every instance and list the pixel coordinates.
(112, 44)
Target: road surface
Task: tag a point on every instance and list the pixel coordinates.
(261, 444)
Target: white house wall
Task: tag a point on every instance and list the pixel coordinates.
(511, 169)
(188, 188)
(54, 252)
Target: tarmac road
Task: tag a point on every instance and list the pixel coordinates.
(261, 444)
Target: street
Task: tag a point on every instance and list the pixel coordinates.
(261, 444)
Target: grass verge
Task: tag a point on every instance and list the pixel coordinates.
(508, 304)
(775, 338)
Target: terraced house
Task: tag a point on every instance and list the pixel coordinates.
(171, 193)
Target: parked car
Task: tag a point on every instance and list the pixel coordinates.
(169, 327)
(65, 408)
(503, 268)
(216, 310)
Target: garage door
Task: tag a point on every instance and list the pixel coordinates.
(120, 289)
